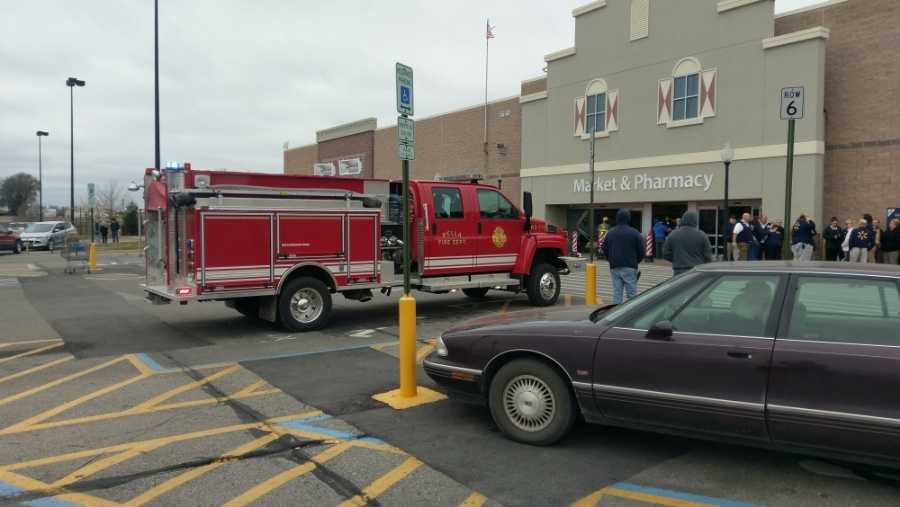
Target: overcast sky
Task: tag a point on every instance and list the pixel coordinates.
(239, 78)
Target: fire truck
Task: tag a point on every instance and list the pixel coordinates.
(280, 247)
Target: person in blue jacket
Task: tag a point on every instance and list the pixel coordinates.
(660, 232)
(802, 238)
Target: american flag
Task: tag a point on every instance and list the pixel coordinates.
(490, 30)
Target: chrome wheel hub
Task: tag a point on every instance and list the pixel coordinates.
(306, 306)
(529, 403)
(548, 285)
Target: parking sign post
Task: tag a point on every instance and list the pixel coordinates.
(406, 152)
(791, 110)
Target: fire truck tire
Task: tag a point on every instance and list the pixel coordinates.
(304, 304)
(476, 292)
(543, 285)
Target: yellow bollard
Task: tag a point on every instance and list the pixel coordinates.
(92, 257)
(590, 284)
(408, 388)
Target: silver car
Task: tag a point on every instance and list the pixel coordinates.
(49, 235)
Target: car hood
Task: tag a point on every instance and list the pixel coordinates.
(34, 235)
(527, 320)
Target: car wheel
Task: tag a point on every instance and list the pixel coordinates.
(476, 293)
(543, 285)
(531, 403)
(50, 245)
(18, 247)
(304, 305)
(248, 307)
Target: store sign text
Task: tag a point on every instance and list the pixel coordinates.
(644, 182)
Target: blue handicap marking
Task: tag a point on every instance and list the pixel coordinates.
(405, 94)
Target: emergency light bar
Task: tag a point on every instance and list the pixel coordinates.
(471, 178)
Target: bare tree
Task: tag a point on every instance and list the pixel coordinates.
(107, 198)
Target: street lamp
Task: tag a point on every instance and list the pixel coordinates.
(40, 134)
(72, 82)
(727, 154)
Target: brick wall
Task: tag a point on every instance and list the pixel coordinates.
(862, 90)
(300, 160)
(534, 86)
(452, 144)
(359, 146)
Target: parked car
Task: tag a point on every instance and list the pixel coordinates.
(795, 356)
(49, 235)
(10, 240)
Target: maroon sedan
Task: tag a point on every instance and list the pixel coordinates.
(10, 240)
(797, 356)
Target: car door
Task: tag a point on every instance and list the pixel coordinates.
(499, 230)
(709, 375)
(835, 378)
(58, 235)
(450, 239)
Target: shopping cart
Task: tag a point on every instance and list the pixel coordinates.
(75, 252)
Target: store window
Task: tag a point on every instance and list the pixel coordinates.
(686, 98)
(596, 112)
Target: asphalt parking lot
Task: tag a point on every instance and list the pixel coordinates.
(106, 399)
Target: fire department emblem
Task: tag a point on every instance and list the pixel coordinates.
(499, 237)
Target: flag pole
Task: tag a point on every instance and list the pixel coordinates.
(487, 49)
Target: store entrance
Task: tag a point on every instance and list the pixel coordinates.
(669, 213)
(578, 219)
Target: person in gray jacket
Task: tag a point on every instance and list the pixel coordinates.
(687, 246)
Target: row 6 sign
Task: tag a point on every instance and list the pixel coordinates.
(792, 103)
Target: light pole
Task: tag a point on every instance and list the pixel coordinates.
(727, 154)
(40, 134)
(72, 82)
(156, 78)
(590, 272)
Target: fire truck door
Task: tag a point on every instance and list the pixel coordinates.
(364, 236)
(499, 232)
(450, 241)
(237, 251)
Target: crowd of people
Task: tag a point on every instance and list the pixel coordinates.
(107, 231)
(755, 238)
(750, 238)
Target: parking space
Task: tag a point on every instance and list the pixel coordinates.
(106, 399)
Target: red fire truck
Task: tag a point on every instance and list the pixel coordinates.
(278, 247)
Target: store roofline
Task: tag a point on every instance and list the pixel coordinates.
(810, 8)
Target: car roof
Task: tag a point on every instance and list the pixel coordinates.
(814, 267)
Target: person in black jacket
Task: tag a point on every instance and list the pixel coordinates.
(623, 247)
(890, 243)
(774, 241)
(834, 238)
(687, 246)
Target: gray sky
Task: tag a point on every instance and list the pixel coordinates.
(239, 78)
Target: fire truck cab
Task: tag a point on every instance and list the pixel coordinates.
(279, 247)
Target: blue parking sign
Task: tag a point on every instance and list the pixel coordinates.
(405, 100)
(404, 95)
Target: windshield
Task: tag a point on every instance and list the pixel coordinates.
(39, 228)
(643, 296)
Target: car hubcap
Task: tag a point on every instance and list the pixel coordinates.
(306, 305)
(548, 286)
(529, 403)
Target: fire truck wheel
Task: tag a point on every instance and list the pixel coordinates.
(304, 305)
(476, 293)
(543, 285)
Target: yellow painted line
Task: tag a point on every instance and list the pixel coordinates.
(263, 426)
(140, 365)
(383, 483)
(380, 346)
(249, 389)
(156, 400)
(474, 500)
(47, 414)
(44, 387)
(36, 368)
(31, 352)
(283, 478)
(29, 342)
(125, 413)
(424, 351)
(505, 306)
(29, 484)
(592, 499)
(97, 466)
(193, 473)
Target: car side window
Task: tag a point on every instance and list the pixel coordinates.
(850, 310)
(447, 202)
(733, 304)
(664, 309)
(492, 204)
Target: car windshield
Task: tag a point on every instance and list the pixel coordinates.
(39, 228)
(643, 296)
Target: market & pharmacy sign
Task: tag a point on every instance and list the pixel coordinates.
(638, 182)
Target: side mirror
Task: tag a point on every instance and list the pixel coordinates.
(528, 209)
(661, 331)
